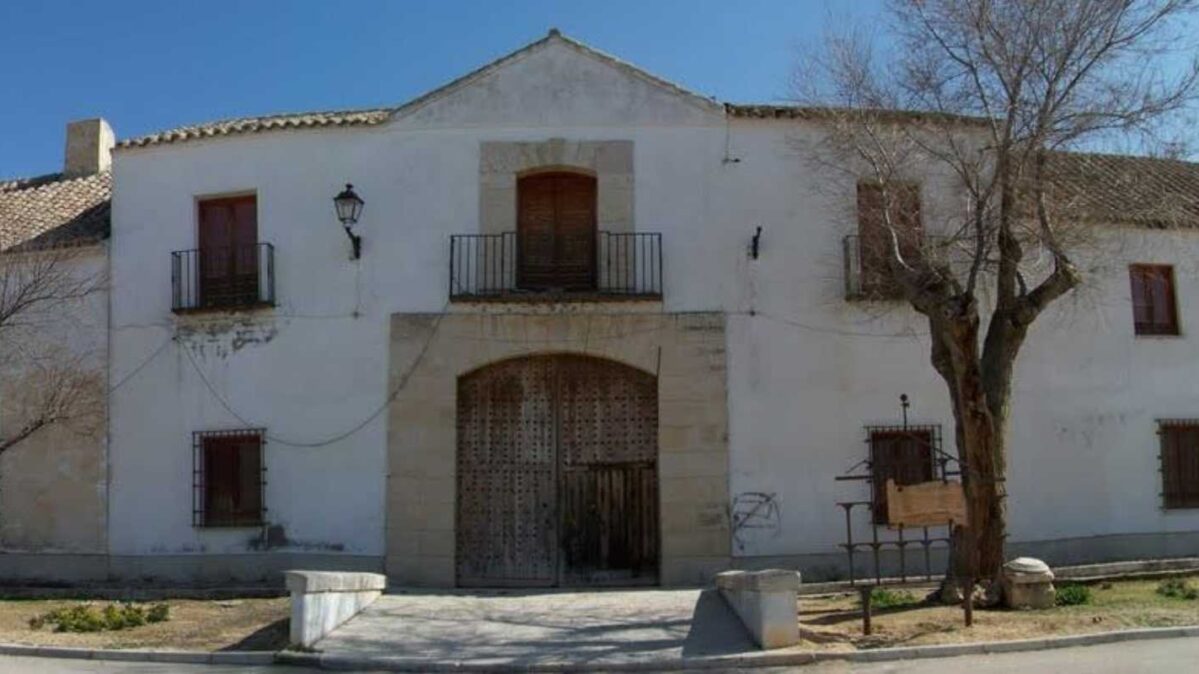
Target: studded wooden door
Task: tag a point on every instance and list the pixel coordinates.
(557, 474)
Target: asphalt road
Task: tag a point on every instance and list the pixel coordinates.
(1161, 655)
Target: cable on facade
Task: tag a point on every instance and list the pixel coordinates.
(340, 436)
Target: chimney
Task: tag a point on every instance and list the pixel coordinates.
(89, 147)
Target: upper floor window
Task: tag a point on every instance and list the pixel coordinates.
(901, 202)
(556, 231)
(229, 268)
(1154, 309)
(1180, 462)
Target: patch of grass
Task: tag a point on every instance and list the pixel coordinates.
(1073, 595)
(1177, 588)
(88, 617)
(883, 598)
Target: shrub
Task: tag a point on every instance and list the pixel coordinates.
(89, 618)
(1073, 595)
(881, 597)
(1177, 588)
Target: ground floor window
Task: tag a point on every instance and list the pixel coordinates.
(1180, 462)
(904, 455)
(229, 475)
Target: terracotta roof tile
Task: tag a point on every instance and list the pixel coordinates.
(228, 127)
(1123, 189)
(54, 210)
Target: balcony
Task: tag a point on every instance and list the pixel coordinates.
(215, 279)
(492, 267)
(867, 275)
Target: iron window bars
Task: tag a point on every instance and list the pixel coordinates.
(229, 478)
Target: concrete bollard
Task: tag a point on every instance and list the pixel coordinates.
(322, 600)
(765, 601)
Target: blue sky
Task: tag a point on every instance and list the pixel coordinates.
(150, 65)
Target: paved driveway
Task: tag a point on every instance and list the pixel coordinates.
(523, 628)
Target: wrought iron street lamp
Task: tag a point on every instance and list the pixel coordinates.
(349, 207)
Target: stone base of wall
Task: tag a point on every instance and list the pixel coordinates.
(834, 566)
(180, 570)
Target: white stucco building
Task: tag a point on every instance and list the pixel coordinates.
(556, 360)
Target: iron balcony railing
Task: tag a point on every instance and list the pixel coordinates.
(489, 266)
(867, 274)
(223, 278)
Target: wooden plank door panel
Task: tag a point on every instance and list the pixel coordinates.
(556, 232)
(608, 445)
(228, 256)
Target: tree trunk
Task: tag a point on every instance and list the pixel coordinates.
(978, 544)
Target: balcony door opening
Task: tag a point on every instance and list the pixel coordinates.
(228, 252)
(556, 232)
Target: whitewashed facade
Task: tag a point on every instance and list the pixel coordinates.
(344, 377)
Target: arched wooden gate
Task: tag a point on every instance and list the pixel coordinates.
(557, 473)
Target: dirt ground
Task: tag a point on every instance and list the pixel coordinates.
(835, 622)
(235, 624)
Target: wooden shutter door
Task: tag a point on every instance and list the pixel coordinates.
(556, 220)
(535, 231)
(574, 231)
(228, 238)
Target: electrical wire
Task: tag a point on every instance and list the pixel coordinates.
(340, 436)
(133, 373)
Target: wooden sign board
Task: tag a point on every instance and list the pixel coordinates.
(925, 504)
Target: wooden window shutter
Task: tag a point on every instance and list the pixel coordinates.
(228, 242)
(1180, 464)
(231, 478)
(903, 456)
(1154, 305)
(874, 237)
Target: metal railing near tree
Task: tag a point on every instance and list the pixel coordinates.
(487, 266)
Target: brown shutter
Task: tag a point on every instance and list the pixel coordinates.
(228, 238)
(232, 480)
(1154, 306)
(556, 231)
(903, 456)
(1180, 465)
(874, 238)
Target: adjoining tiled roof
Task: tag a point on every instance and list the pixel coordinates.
(767, 111)
(229, 127)
(54, 210)
(375, 116)
(1124, 189)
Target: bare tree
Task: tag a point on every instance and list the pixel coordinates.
(48, 383)
(1002, 88)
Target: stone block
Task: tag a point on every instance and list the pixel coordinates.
(322, 600)
(765, 601)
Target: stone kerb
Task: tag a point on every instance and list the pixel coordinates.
(322, 600)
(765, 601)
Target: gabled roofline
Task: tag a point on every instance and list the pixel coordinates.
(556, 36)
(377, 116)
